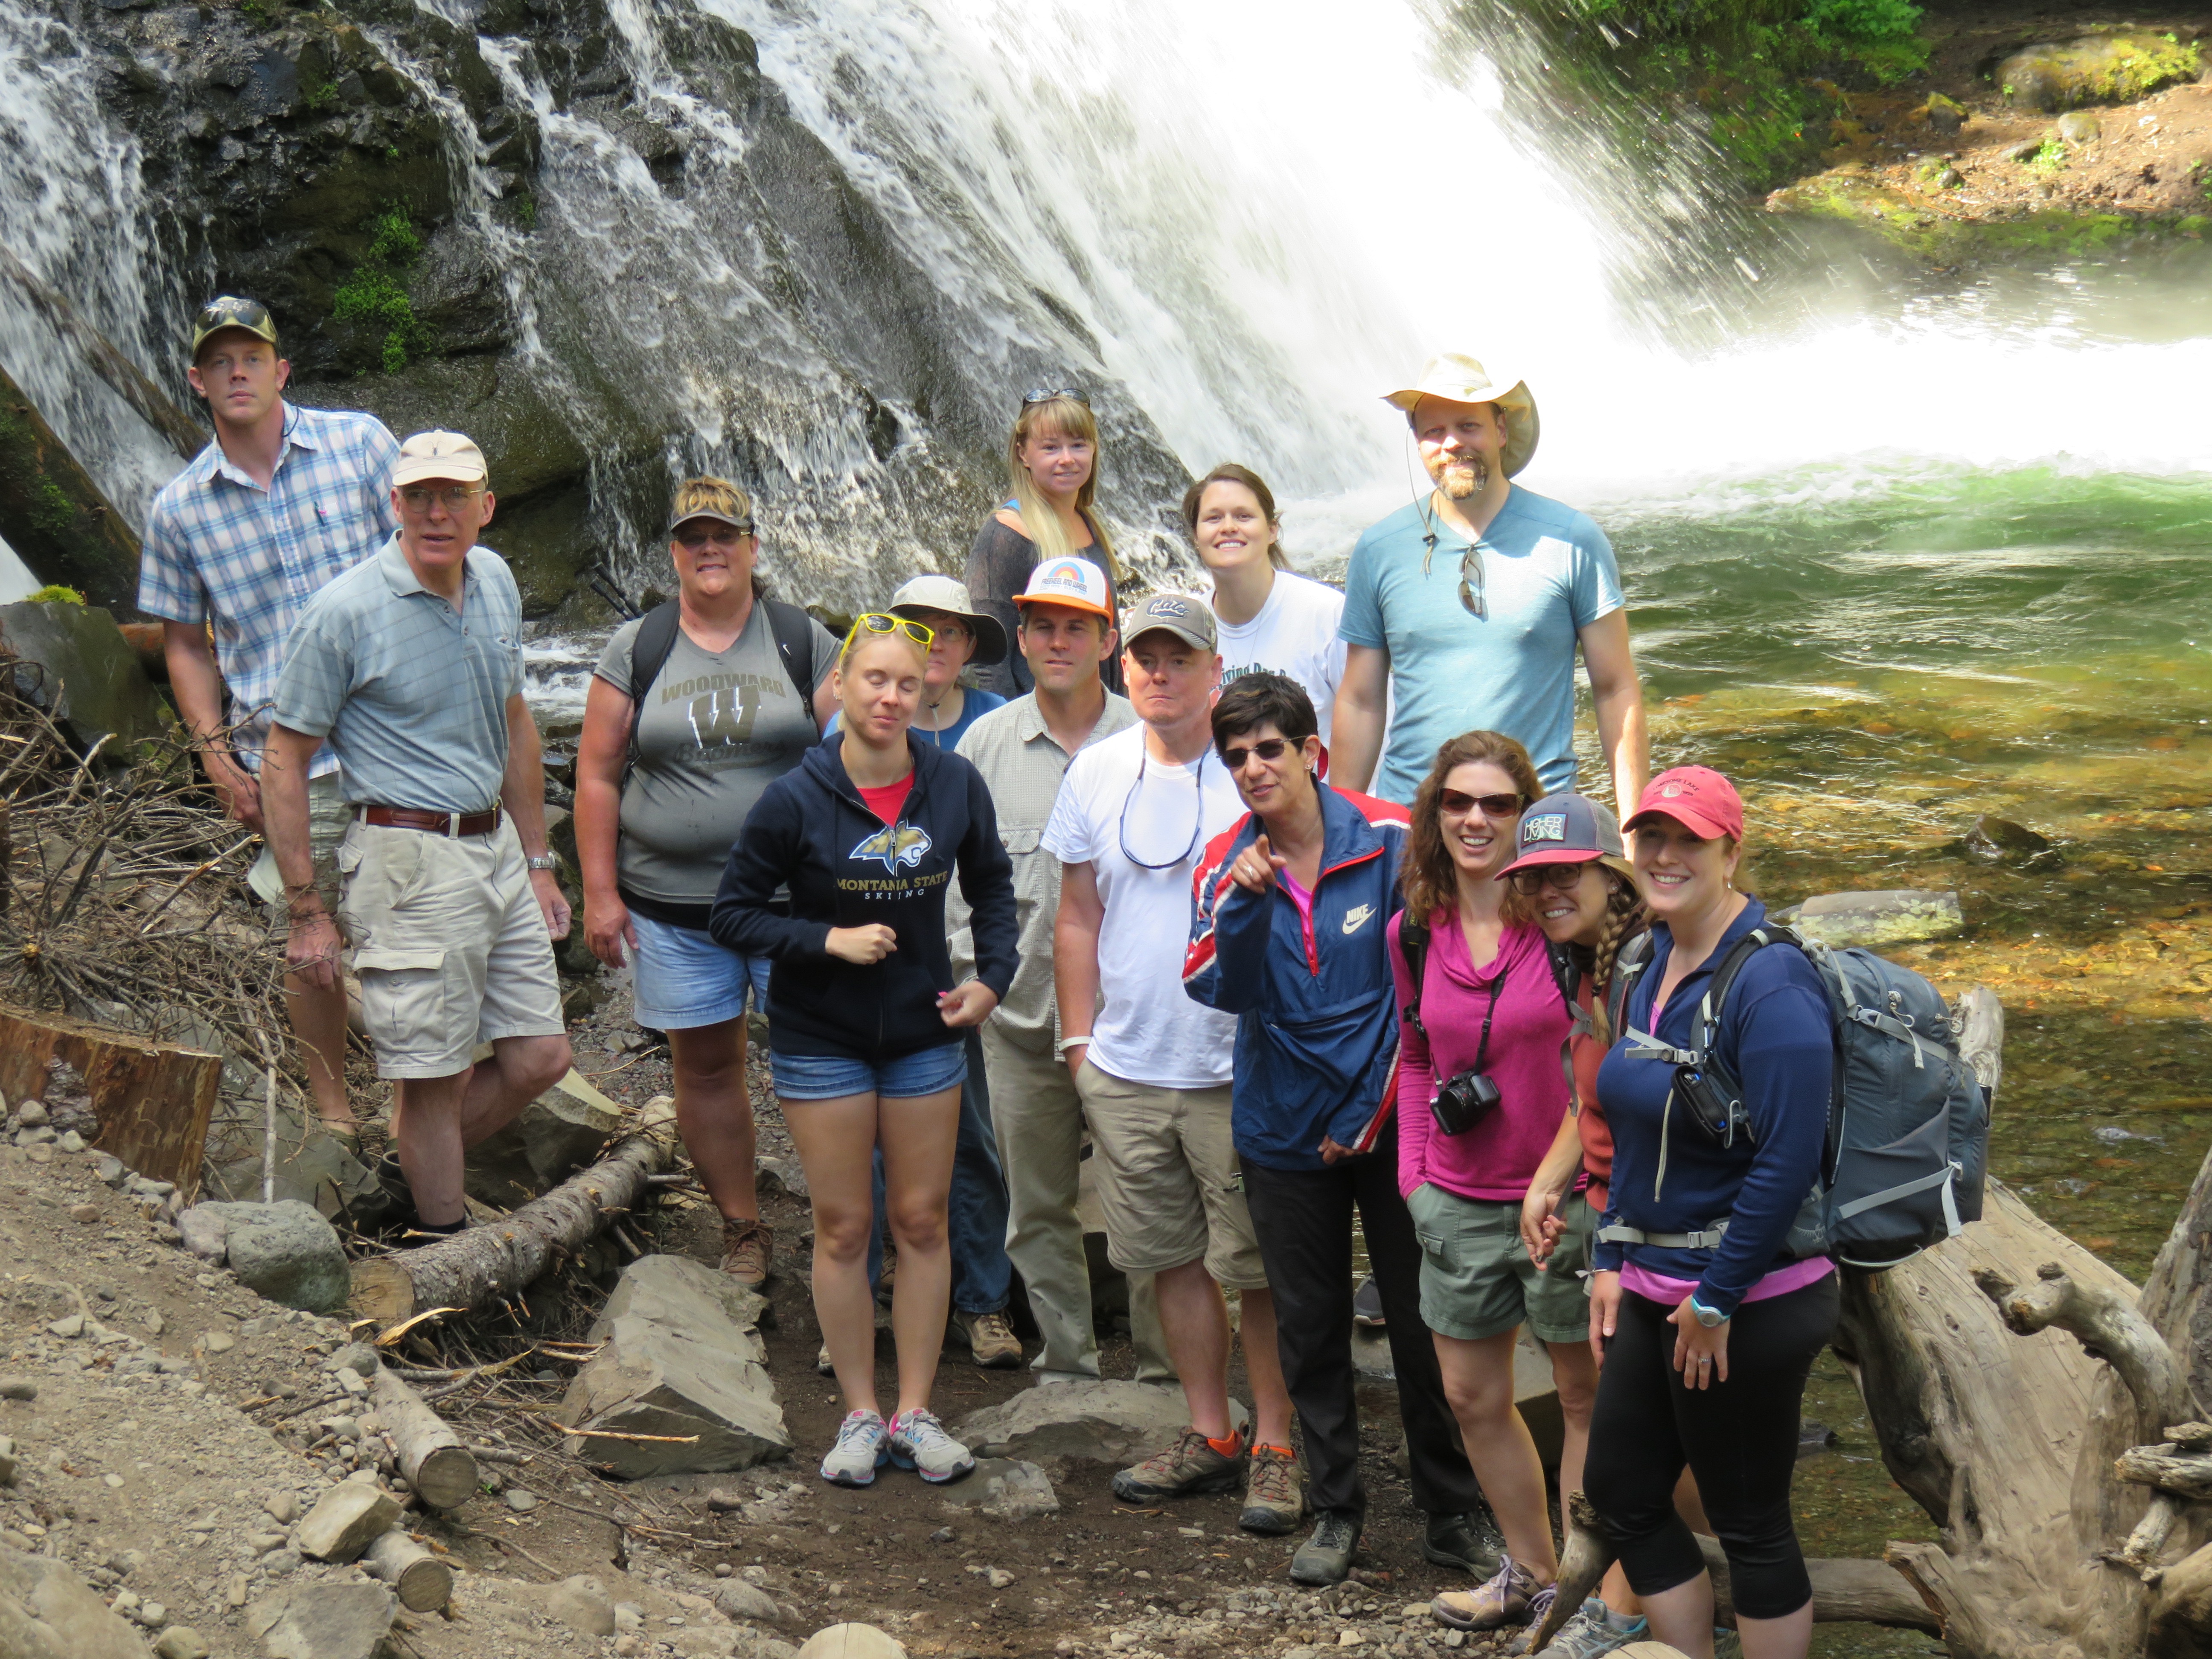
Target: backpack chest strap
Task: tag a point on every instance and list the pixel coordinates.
(1642, 1045)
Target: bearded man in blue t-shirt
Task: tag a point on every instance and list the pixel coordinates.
(1466, 606)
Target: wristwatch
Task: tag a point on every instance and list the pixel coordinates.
(1709, 1318)
(545, 861)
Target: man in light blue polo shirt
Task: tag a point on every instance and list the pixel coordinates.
(1468, 605)
(410, 666)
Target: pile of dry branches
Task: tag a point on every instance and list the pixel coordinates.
(122, 896)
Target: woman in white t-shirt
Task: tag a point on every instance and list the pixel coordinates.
(1270, 617)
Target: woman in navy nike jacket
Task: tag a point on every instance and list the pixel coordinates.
(865, 1022)
(1291, 908)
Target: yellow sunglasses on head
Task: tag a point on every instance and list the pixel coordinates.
(878, 622)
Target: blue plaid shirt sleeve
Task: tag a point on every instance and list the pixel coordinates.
(169, 585)
(380, 452)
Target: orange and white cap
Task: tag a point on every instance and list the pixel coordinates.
(1075, 583)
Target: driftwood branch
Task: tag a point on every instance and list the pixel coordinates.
(2180, 1625)
(2140, 1553)
(2186, 1475)
(2103, 1318)
(472, 1267)
(431, 1456)
(1844, 1591)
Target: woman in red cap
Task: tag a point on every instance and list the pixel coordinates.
(1707, 1318)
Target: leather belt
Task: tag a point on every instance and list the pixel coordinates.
(435, 823)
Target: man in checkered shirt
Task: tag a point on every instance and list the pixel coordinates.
(283, 500)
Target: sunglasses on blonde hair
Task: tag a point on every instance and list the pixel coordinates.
(878, 622)
(1043, 397)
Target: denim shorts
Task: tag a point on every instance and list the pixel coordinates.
(685, 980)
(821, 1077)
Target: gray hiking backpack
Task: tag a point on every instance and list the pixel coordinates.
(1908, 1136)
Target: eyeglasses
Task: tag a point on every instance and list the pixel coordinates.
(722, 535)
(877, 622)
(227, 311)
(454, 498)
(1043, 397)
(1197, 825)
(1267, 749)
(1530, 883)
(1493, 806)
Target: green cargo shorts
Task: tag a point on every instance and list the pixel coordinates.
(1477, 1280)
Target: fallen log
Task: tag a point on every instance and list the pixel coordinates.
(128, 381)
(1844, 1591)
(153, 1099)
(431, 1456)
(480, 1264)
(55, 516)
(423, 1582)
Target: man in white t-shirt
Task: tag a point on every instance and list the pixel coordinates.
(1152, 1067)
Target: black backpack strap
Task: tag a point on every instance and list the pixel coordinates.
(1413, 945)
(1707, 1032)
(794, 643)
(1569, 978)
(648, 654)
(1628, 965)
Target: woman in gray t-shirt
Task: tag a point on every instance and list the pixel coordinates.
(721, 717)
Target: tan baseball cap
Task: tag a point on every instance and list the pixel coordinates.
(439, 455)
(1457, 378)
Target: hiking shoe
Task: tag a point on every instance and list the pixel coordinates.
(860, 1451)
(1185, 1469)
(1326, 1557)
(1470, 1542)
(1275, 1493)
(747, 1249)
(1367, 1304)
(1510, 1595)
(918, 1441)
(991, 1340)
(1591, 1634)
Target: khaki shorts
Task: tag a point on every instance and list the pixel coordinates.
(449, 945)
(1477, 1281)
(1169, 1185)
(329, 812)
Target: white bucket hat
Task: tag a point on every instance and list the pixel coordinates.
(1459, 378)
(945, 595)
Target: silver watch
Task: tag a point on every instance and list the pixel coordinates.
(545, 861)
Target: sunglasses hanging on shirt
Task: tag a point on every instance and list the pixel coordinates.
(1198, 821)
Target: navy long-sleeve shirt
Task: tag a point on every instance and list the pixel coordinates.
(1777, 1035)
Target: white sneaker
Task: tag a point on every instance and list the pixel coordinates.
(918, 1441)
(859, 1449)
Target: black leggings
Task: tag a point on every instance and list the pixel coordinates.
(1739, 1437)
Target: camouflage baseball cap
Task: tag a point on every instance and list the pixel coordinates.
(232, 311)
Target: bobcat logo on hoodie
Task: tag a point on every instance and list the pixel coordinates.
(895, 844)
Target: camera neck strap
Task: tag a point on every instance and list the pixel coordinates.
(1482, 1044)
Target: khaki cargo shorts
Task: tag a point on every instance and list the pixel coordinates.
(1170, 1186)
(1476, 1278)
(329, 813)
(449, 945)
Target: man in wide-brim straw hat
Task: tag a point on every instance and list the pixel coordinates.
(1469, 602)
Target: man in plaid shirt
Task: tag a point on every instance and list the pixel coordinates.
(282, 501)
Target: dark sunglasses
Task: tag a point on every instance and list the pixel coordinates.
(1493, 806)
(1530, 882)
(728, 534)
(1269, 749)
(1043, 397)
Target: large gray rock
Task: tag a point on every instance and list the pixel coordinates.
(560, 1132)
(851, 1642)
(312, 1166)
(46, 1611)
(681, 1357)
(345, 1520)
(743, 1601)
(1112, 1422)
(88, 676)
(323, 1621)
(1896, 917)
(283, 1251)
(581, 1603)
(1004, 1489)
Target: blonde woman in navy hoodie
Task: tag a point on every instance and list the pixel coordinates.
(865, 1024)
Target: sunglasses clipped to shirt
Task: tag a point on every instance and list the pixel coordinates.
(878, 622)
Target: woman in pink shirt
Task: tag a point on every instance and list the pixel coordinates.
(1481, 1098)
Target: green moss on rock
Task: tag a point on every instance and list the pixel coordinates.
(1855, 197)
(2111, 68)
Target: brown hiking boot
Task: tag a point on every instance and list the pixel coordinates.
(1189, 1467)
(747, 1249)
(1275, 1493)
(991, 1340)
